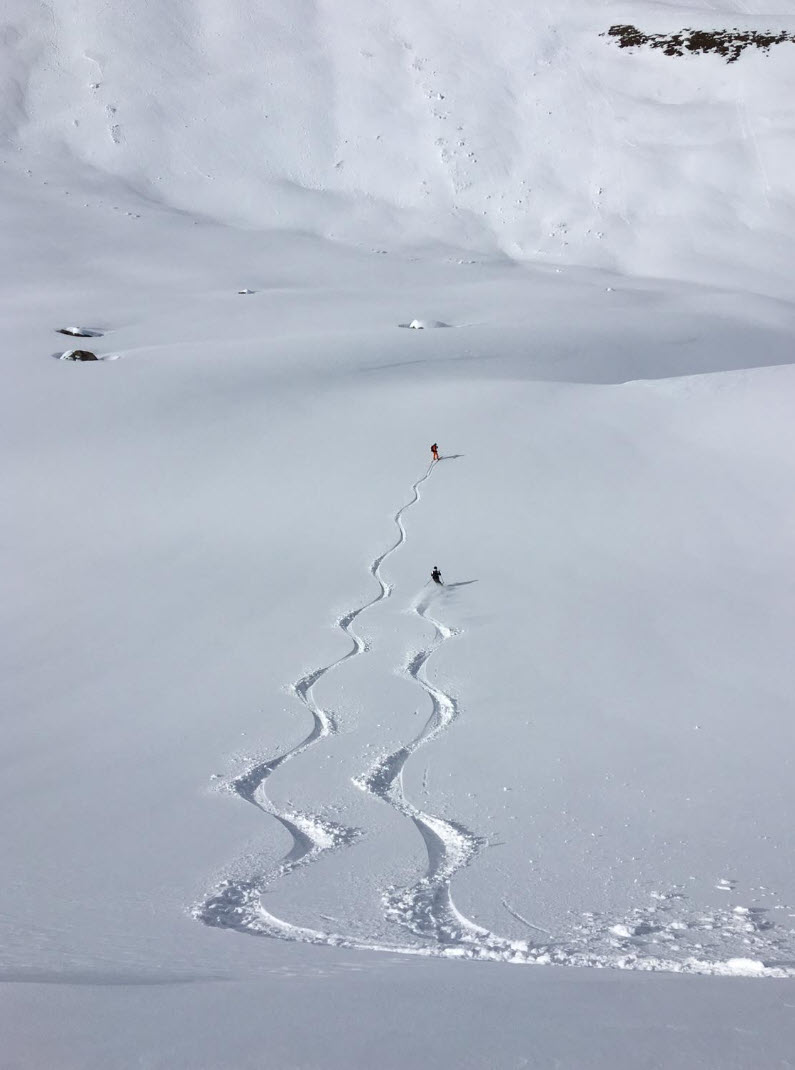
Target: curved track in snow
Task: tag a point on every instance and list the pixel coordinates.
(425, 909)
(236, 902)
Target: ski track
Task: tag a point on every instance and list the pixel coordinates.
(426, 908)
(235, 904)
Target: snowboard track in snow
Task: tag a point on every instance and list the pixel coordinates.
(426, 909)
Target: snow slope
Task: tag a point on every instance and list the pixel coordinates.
(496, 127)
(234, 706)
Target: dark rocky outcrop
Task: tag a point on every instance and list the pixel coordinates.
(727, 43)
(79, 354)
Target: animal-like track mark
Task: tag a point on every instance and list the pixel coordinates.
(113, 127)
(236, 903)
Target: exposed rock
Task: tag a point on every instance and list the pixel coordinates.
(79, 354)
(79, 332)
(728, 43)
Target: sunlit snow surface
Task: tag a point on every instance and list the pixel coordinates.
(235, 705)
(669, 933)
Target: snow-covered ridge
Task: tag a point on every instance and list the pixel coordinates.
(505, 127)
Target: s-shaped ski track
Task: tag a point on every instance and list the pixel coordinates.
(237, 902)
(426, 908)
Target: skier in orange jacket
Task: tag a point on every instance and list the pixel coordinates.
(435, 452)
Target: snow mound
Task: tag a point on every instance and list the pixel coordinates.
(746, 968)
(422, 325)
(80, 332)
(85, 356)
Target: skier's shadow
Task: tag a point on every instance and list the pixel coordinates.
(461, 583)
(451, 456)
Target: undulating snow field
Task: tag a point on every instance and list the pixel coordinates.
(270, 798)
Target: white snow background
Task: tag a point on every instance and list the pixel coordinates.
(269, 797)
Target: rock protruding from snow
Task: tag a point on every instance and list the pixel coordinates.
(728, 43)
(79, 354)
(79, 332)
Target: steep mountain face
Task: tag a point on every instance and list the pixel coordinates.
(499, 127)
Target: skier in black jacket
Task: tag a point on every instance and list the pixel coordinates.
(436, 576)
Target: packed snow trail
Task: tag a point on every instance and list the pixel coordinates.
(236, 904)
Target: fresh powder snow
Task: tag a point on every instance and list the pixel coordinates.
(272, 796)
